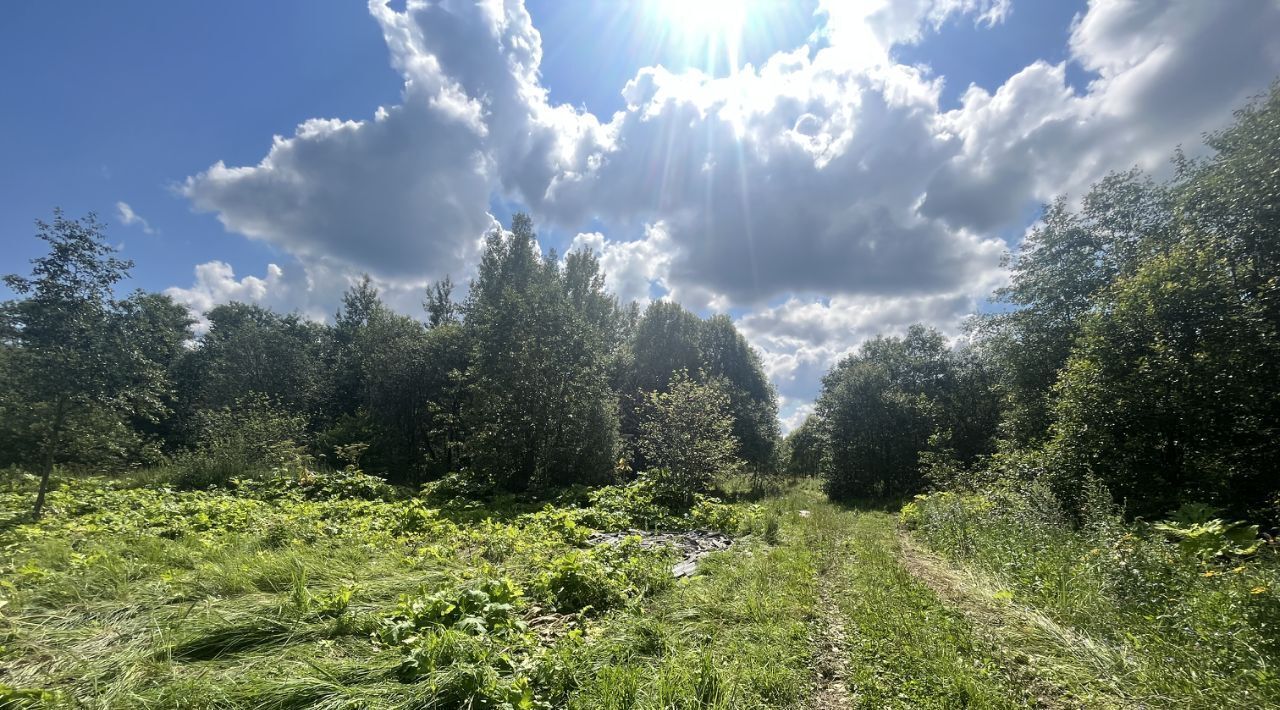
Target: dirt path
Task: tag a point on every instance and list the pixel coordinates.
(831, 657)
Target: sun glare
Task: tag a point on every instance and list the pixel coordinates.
(716, 25)
(705, 16)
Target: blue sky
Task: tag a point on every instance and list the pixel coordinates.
(825, 181)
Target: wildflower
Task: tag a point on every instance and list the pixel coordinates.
(1209, 573)
(1238, 570)
(1258, 590)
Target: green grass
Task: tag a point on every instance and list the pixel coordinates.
(1156, 626)
(134, 596)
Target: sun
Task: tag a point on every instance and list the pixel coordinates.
(714, 26)
(705, 17)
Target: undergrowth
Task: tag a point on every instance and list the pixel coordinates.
(304, 588)
(1189, 607)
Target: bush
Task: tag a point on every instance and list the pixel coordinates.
(605, 576)
(248, 440)
(631, 506)
(687, 434)
(460, 487)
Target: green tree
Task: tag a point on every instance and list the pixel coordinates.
(1066, 260)
(541, 410)
(1171, 392)
(668, 341)
(439, 304)
(805, 447)
(893, 400)
(249, 349)
(65, 347)
(687, 434)
(727, 357)
(160, 330)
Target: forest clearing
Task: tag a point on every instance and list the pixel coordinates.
(654, 355)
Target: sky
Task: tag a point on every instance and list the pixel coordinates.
(821, 170)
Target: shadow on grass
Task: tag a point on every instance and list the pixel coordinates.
(228, 640)
(872, 505)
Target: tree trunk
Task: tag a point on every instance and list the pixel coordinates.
(51, 448)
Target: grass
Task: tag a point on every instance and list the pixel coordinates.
(134, 596)
(1152, 625)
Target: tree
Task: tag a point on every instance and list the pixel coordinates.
(249, 349)
(687, 433)
(541, 410)
(668, 341)
(805, 448)
(160, 330)
(896, 398)
(1066, 260)
(441, 310)
(727, 356)
(1171, 395)
(65, 349)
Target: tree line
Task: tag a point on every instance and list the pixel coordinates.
(1136, 346)
(538, 378)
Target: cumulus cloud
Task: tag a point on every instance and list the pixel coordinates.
(794, 414)
(632, 269)
(311, 292)
(1166, 73)
(830, 169)
(216, 283)
(801, 338)
(127, 216)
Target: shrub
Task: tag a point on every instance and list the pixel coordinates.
(631, 506)
(687, 434)
(1205, 537)
(713, 514)
(605, 576)
(247, 440)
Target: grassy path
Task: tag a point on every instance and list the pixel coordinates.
(842, 612)
(895, 627)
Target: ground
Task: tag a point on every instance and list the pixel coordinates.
(148, 599)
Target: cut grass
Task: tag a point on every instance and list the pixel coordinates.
(822, 606)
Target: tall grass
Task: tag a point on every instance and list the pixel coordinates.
(1189, 631)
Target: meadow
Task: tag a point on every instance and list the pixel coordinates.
(335, 590)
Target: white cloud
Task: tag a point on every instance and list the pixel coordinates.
(632, 269)
(793, 415)
(216, 283)
(829, 169)
(801, 338)
(127, 217)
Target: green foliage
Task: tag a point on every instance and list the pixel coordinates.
(668, 343)
(605, 576)
(249, 352)
(687, 434)
(713, 514)
(1142, 348)
(805, 447)
(1207, 538)
(1165, 395)
(541, 408)
(634, 505)
(1194, 623)
(247, 440)
(70, 347)
(881, 408)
